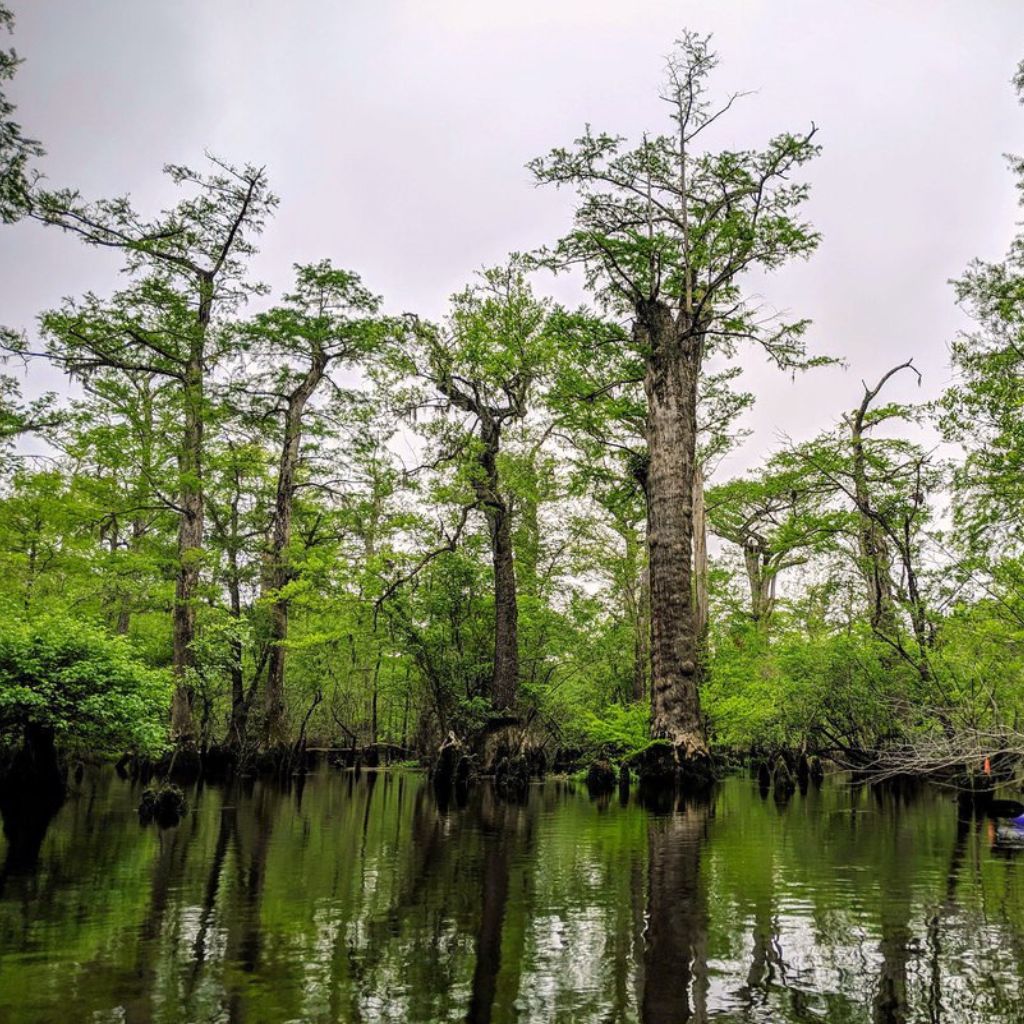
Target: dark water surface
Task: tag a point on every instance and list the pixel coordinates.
(362, 900)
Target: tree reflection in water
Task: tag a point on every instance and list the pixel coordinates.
(675, 948)
(365, 899)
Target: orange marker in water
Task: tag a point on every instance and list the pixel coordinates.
(987, 768)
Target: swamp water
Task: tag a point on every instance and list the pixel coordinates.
(345, 899)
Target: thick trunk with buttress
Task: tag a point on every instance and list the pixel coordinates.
(670, 383)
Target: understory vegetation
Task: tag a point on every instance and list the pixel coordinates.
(253, 522)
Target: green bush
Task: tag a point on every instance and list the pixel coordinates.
(88, 686)
(620, 730)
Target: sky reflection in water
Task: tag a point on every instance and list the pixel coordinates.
(349, 899)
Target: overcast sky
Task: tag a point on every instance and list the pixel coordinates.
(396, 133)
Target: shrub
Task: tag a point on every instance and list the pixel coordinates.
(86, 685)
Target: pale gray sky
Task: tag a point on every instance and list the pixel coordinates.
(395, 133)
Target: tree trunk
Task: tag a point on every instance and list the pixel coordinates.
(190, 545)
(505, 676)
(761, 579)
(239, 705)
(671, 387)
(876, 561)
(505, 681)
(275, 722)
(634, 588)
(700, 554)
(124, 615)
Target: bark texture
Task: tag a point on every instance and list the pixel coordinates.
(673, 363)
(190, 531)
(875, 556)
(275, 721)
(761, 574)
(505, 675)
(700, 554)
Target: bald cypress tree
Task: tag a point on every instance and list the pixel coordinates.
(664, 230)
(188, 269)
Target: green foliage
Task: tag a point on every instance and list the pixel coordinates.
(404, 451)
(665, 221)
(87, 685)
(620, 730)
(809, 683)
(16, 149)
(983, 410)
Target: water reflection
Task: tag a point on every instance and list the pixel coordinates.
(675, 948)
(366, 899)
(25, 824)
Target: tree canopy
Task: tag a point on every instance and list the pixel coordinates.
(265, 520)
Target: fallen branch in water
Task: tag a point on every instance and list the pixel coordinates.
(971, 752)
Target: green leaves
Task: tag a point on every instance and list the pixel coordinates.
(16, 149)
(664, 221)
(984, 409)
(91, 687)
